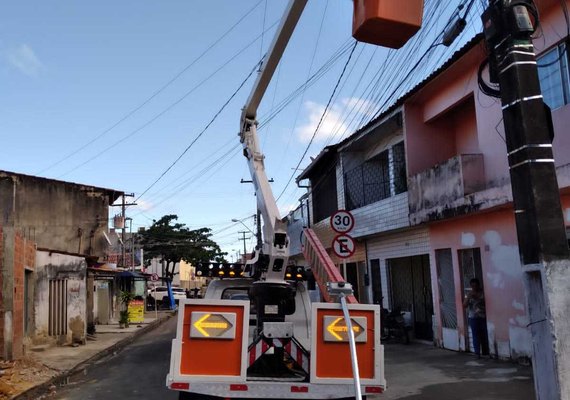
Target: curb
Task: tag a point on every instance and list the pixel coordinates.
(38, 391)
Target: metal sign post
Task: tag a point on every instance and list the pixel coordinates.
(352, 344)
(341, 290)
(155, 309)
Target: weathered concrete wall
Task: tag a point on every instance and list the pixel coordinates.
(440, 192)
(58, 215)
(73, 269)
(494, 234)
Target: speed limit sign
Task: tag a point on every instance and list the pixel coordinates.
(342, 221)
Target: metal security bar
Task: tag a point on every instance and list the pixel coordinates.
(57, 321)
(376, 179)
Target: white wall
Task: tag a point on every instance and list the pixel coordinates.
(411, 242)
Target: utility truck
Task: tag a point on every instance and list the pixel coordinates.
(256, 333)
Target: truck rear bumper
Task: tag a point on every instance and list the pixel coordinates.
(271, 389)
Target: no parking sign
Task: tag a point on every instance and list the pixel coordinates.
(344, 246)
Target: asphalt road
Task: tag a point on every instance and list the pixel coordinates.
(136, 372)
(413, 372)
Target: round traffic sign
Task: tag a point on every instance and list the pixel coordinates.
(343, 246)
(154, 277)
(342, 221)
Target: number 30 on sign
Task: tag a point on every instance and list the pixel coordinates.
(342, 221)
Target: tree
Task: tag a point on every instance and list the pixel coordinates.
(172, 242)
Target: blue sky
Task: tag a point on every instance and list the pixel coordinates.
(71, 70)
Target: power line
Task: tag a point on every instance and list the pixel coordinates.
(320, 121)
(203, 130)
(167, 109)
(152, 96)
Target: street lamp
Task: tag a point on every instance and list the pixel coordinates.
(246, 227)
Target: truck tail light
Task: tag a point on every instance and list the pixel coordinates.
(373, 389)
(180, 386)
(238, 388)
(299, 389)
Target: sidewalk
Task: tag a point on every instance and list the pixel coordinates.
(40, 370)
(422, 372)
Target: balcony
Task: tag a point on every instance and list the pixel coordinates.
(444, 190)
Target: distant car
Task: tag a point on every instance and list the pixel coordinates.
(160, 294)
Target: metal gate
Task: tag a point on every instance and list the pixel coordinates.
(410, 289)
(57, 322)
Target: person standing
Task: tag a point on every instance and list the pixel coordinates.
(474, 302)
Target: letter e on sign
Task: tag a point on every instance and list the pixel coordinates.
(343, 246)
(342, 221)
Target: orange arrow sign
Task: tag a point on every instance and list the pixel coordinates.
(339, 330)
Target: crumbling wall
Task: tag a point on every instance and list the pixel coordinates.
(73, 269)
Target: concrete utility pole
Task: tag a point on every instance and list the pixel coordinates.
(541, 233)
(243, 238)
(124, 230)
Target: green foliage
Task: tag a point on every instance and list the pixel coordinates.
(173, 242)
(124, 317)
(126, 297)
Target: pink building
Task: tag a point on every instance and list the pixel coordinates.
(422, 239)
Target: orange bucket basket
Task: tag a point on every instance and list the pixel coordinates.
(388, 23)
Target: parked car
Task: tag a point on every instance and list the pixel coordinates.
(160, 294)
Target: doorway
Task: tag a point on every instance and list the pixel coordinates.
(410, 290)
(376, 281)
(28, 301)
(470, 266)
(352, 278)
(447, 304)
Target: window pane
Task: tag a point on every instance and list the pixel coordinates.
(551, 78)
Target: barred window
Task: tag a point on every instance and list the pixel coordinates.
(400, 173)
(370, 182)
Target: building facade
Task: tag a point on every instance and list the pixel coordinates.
(428, 183)
(51, 230)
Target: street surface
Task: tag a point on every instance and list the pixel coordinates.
(136, 372)
(413, 372)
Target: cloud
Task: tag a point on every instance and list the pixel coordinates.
(334, 124)
(143, 205)
(24, 60)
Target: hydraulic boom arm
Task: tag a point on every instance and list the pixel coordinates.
(272, 258)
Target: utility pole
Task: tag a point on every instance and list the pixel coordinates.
(243, 238)
(540, 227)
(258, 217)
(124, 231)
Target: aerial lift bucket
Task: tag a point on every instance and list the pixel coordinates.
(388, 23)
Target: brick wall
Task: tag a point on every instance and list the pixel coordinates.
(1, 297)
(24, 258)
(18, 299)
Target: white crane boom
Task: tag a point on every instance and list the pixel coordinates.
(271, 259)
